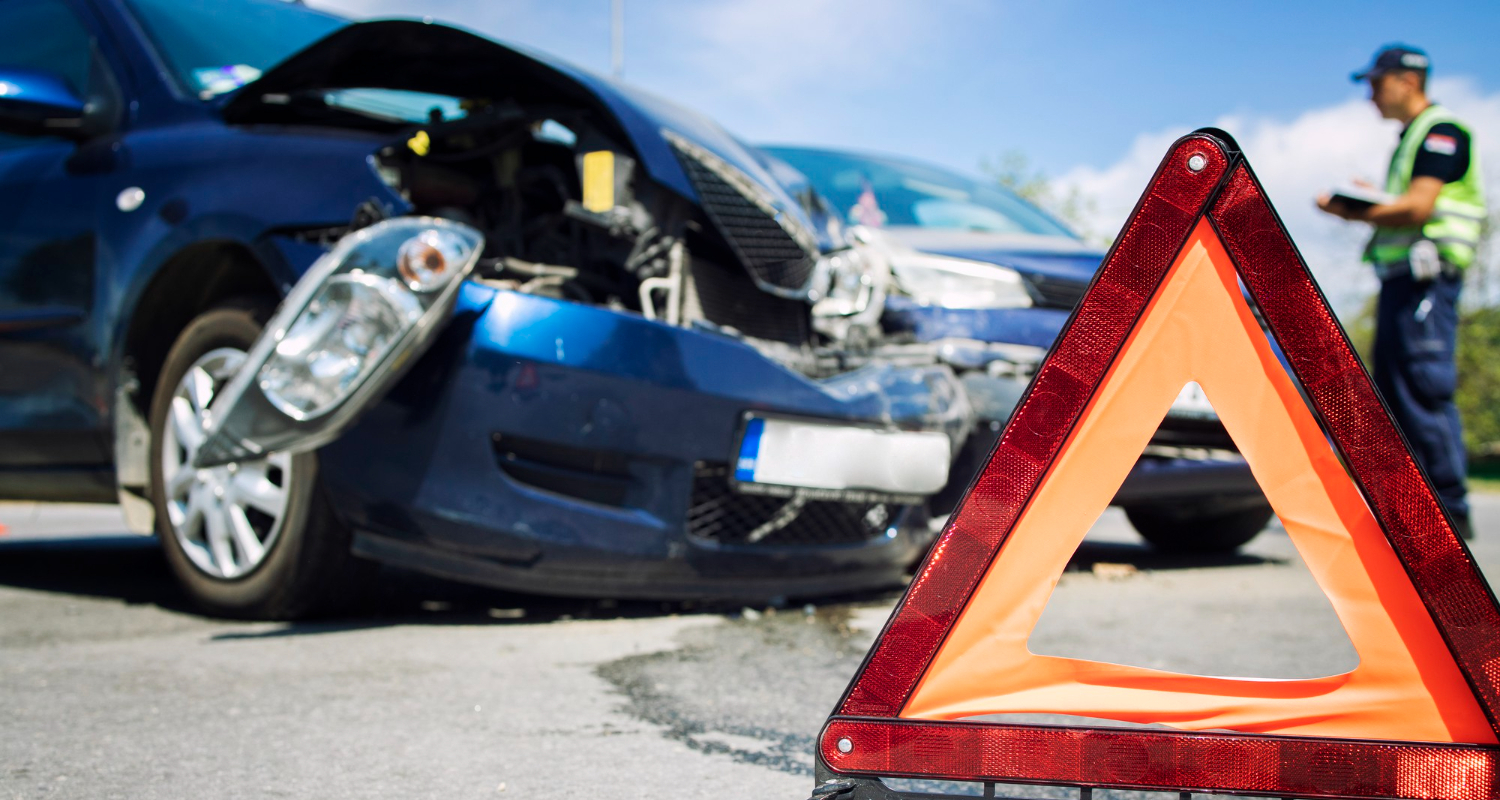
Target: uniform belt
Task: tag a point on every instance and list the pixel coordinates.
(1402, 268)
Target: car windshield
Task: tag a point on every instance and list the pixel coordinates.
(869, 190)
(217, 46)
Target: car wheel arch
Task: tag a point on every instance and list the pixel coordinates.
(194, 279)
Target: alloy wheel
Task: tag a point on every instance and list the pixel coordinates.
(226, 518)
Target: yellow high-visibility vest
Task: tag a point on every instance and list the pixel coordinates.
(1459, 215)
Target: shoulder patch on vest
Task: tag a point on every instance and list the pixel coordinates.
(1438, 143)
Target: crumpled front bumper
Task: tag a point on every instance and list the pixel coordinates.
(555, 447)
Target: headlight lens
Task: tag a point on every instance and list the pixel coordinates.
(385, 279)
(342, 335)
(959, 283)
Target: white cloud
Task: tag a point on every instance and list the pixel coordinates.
(768, 47)
(788, 70)
(782, 69)
(1297, 160)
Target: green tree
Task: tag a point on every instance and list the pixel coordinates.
(1479, 380)
(1014, 171)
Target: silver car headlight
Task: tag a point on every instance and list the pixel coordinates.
(958, 283)
(846, 282)
(358, 315)
(336, 342)
(849, 289)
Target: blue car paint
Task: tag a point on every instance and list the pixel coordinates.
(38, 89)
(204, 182)
(595, 379)
(418, 478)
(231, 193)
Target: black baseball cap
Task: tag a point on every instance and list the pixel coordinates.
(1394, 57)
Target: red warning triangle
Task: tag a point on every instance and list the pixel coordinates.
(1416, 718)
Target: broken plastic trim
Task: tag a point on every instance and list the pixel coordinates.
(244, 422)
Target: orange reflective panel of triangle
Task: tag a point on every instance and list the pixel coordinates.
(1198, 327)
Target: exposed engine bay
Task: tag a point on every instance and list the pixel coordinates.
(567, 213)
(605, 197)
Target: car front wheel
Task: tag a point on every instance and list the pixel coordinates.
(1199, 529)
(252, 538)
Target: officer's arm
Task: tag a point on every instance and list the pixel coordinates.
(1412, 208)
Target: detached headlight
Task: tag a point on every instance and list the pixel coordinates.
(959, 283)
(336, 342)
(362, 312)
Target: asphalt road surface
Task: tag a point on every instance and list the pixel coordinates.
(111, 687)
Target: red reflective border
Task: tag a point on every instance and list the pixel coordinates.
(1162, 760)
(1441, 568)
(1135, 266)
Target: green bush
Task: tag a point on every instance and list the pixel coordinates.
(1478, 371)
(1479, 379)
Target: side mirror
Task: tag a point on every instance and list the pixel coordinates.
(37, 103)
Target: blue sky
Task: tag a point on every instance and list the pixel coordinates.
(954, 81)
(1091, 92)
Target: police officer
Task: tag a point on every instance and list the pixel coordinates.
(1424, 238)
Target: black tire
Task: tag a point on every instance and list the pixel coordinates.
(1190, 529)
(308, 568)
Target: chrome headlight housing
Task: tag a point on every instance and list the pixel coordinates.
(335, 343)
(357, 317)
(849, 289)
(958, 282)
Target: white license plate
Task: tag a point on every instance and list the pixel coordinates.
(1192, 403)
(840, 458)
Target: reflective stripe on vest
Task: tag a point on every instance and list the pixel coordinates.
(1459, 214)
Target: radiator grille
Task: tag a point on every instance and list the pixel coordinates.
(772, 252)
(719, 514)
(726, 296)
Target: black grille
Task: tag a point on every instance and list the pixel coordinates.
(719, 514)
(765, 247)
(1056, 292)
(727, 296)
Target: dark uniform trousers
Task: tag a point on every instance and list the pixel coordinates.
(1415, 333)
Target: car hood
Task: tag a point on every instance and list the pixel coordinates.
(417, 56)
(1050, 256)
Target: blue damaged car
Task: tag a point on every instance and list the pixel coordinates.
(303, 295)
(990, 279)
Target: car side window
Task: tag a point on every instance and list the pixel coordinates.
(44, 35)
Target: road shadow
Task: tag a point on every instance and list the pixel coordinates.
(132, 570)
(1146, 558)
(126, 567)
